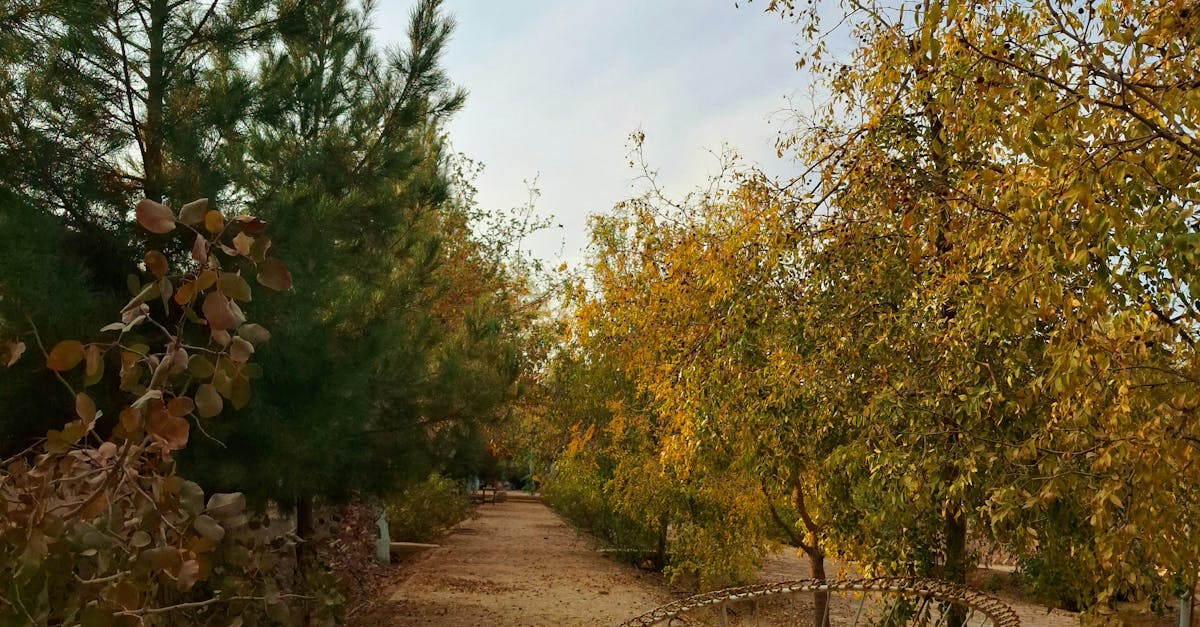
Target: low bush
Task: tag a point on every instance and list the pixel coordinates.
(425, 509)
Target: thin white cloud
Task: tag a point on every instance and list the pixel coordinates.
(557, 87)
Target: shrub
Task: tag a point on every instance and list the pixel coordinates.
(422, 511)
(578, 492)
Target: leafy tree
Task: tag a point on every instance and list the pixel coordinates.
(1007, 206)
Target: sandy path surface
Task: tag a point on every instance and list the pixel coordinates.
(516, 564)
(787, 564)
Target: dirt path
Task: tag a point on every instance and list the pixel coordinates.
(516, 564)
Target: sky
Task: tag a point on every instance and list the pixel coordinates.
(557, 86)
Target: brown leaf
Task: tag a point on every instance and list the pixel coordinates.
(127, 594)
(12, 352)
(214, 222)
(65, 355)
(273, 274)
(172, 430)
(208, 401)
(200, 249)
(221, 337)
(175, 432)
(131, 419)
(154, 217)
(180, 406)
(185, 293)
(156, 264)
(207, 279)
(193, 212)
(240, 350)
(250, 224)
(258, 251)
(243, 244)
(85, 408)
(93, 364)
(94, 506)
(162, 558)
(217, 312)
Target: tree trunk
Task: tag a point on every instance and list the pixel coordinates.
(955, 568)
(305, 527)
(816, 558)
(660, 557)
(155, 96)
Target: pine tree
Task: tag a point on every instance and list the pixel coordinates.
(102, 103)
(398, 334)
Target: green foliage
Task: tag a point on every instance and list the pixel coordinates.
(401, 342)
(398, 347)
(576, 489)
(424, 510)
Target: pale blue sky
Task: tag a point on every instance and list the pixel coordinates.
(557, 86)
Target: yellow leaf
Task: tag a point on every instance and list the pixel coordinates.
(214, 222)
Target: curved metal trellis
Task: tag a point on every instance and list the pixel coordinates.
(992, 609)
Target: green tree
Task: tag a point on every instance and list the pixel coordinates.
(102, 103)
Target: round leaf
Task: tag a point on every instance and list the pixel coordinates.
(180, 406)
(200, 249)
(234, 286)
(217, 312)
(185, 293)
(243, 244)
(214, 222)
(240, 350)
(12, 352)
(273, 274)
(85, 407)
(65, 355)
(172, 430)
(154, 217)
(192, 213)
(156, 264)
(208, 401)
(223, 505)
(200, 367)
(93, 364)
(256, 334)
(209, 528)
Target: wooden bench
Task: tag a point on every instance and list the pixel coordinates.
(480, 496)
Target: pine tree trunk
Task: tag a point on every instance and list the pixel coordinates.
(305, 552)
(155, 96)
(305, 527)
